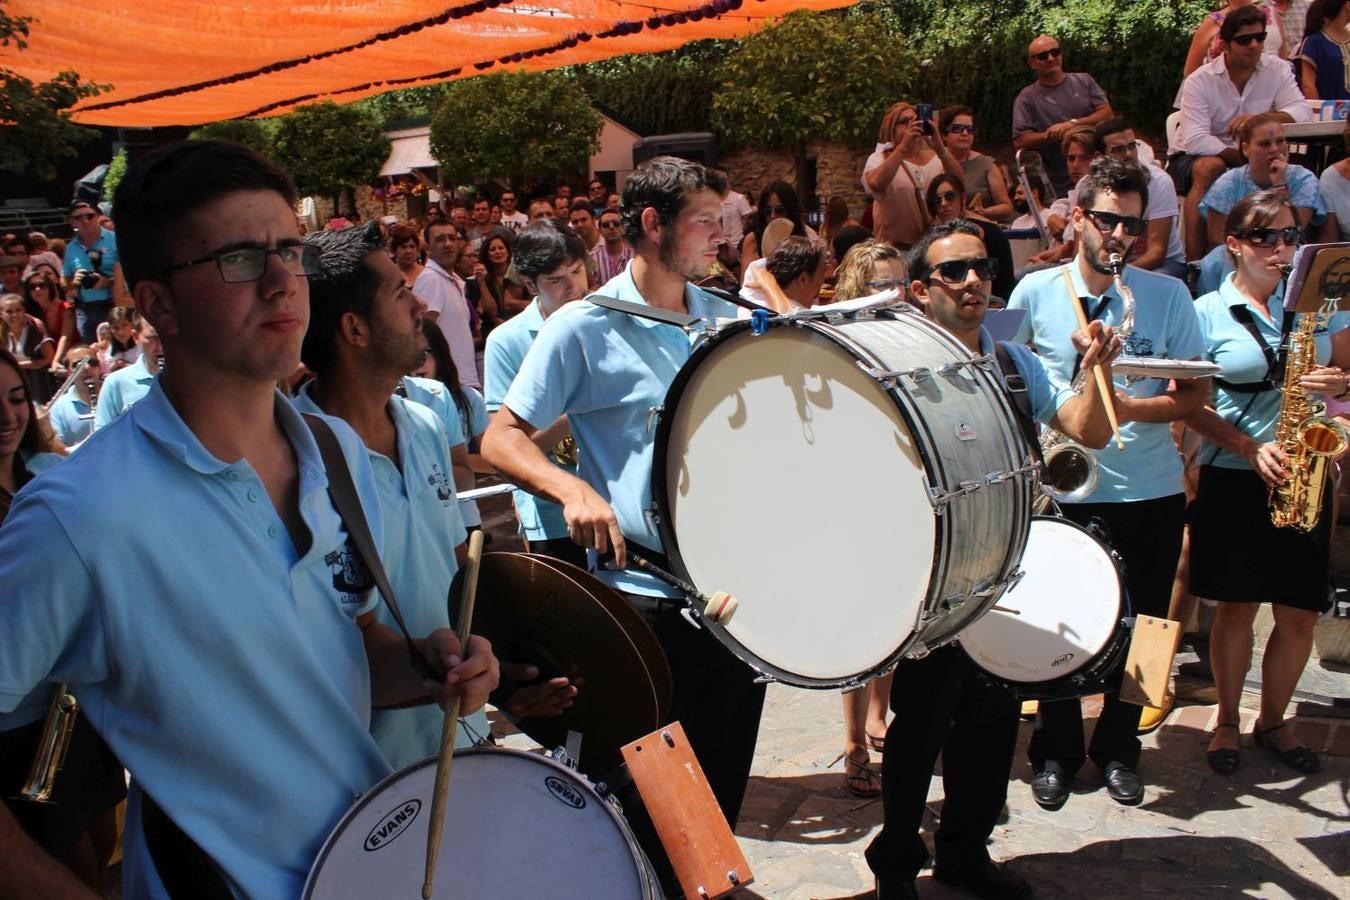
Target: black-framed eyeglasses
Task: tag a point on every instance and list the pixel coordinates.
(1246, 40)
(1045, 55)
(1106, 222)
(245, 264)
(961, 129)
(954, 271)
(1292, 236)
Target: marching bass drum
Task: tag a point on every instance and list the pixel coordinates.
(517, 825)
(859, 484)
(1062, 630)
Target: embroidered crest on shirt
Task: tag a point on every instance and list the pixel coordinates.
(351, 578)
(1138, 345)
(438, 480)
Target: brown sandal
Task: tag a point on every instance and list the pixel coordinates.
(865, 782)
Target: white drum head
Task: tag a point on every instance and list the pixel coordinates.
(516, 825)
(1069, 606)
(790, 437)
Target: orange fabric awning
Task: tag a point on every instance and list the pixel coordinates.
(184, 62)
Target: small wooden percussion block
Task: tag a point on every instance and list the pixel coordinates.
(707, 860)
(1148, 666)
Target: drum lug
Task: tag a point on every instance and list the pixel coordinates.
(941, 498)
(689, 617)
(891, 378)
(560, 756)
(765, 679)
(654, 415)
(983, 362)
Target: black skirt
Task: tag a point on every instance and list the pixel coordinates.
(1239, 556)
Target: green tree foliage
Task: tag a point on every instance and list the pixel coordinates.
(327, 147)
(117, 170)
(259, 134)
(657, 93)
(405, 104)
(35, 126)
(813, 76)
(514, 125)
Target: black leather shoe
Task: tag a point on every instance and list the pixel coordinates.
(897, 889)
(1050, 787)
(987, 878)
(1123, 784)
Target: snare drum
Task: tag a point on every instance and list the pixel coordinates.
(1062, 629)
(859, 484)
(517, 825)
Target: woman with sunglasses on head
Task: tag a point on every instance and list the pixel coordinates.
(777, 201)
(986, 189)
(946, 203)
(1238, 556)
(910, 153)
(1205, 43)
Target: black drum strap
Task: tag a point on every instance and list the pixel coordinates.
(1015, 386)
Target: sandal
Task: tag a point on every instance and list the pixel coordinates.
(1298, 757)
(1225, 760)
(865, 782)
(876, 744)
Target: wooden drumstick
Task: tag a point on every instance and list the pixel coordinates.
(1104, 387)
(441, 793)
(763, 280)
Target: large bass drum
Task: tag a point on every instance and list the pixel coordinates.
(517, 825)
(859, 484)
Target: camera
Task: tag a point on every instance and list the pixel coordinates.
(925, 113)
(90, 278)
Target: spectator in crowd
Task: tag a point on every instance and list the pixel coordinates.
(564, 191)
(1054, 216)
(434, 213)
(596, 194)
(582, 219)
(23, 337)
(501, 292)
(406, 248)
(459, 217)
(1079, 150)
(836, 217)
(898, 171)
(777, 201)
(981, 174)
(870, 267)
(735, 209)
(947, 203)
(15, 247)
(613, 252)
(1216, 99)
(495, 217)
(1293, 16)
(34, 247)
(1335, 189)
(1321, 60)
(130, 384)
(844, 240)
(1207, 45)
(122, 348)
(11, 274)
(90, 269)
(72, 415)
(42, 299)
(512, 218)
(798, 266)
(542, 208)
(442, 290)
(614, 200)
(562, 207)
(1054, 103)
(481, 223)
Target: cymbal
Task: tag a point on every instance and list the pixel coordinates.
(534, 613)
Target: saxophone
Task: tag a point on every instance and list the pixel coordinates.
(1309, 439)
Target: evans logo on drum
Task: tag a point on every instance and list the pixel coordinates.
(392, 825)
(1061, 660)
(565, 792)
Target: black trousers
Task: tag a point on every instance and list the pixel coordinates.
(1147, 535)
(942, 704)
(565, 549)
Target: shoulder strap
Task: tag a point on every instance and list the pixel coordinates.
(1015, 386)
(1243, 316)
(643, 311)
(342, 490)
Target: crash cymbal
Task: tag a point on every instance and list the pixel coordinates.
(533, 613)
(638, 631)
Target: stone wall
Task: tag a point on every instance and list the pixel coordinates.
(368, 206)
(838, 171)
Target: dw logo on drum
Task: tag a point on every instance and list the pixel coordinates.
(392, 825)
(565, 792)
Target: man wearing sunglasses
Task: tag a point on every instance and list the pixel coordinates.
(1054, 103)
(613, 252)
(1216, 100)
(1139, 494)
(90, 269)
(943, 703)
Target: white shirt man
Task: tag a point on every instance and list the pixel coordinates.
(1210, 102)
(443, 293)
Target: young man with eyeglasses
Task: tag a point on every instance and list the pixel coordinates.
(613, 253)
(1216, 100)
(1054, 103)
(90, 269)
(1139, 496)
(943, 704)
(225, 646)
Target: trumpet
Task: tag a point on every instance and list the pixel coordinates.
(51, 752)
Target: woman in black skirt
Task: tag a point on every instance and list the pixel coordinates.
(1238, 557)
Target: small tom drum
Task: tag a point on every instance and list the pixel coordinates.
(1062, 629)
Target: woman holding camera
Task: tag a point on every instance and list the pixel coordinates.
(910, 153)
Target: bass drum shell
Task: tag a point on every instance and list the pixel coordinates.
(1068, 633)
(788, 475)
(516, 825)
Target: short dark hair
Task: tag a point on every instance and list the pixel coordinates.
(794, 257)
(610, 211)
(919, 266)
(402, 234)
(662, 183)
(79, 204)
(482, 198)
(946, 115)
(160, 191)
(344, 283)
(544, 245)
(20, 240)
(431, 226)
(1113, 125)
(1239, 19)
(935, 186)
(846, 238)
(1258, 210)
(1117, 177)
(582, 203)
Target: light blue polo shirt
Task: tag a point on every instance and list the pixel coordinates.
(436, 397)
(1230, 344)
(607, 371)
(1164, 326)
(120, 390)
(540, 519)
(1304, 191)
(65, 418)
(422, 528)
(77, 257)
(224, 669)
(1045, 392)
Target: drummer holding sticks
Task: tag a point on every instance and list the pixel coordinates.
(943, 704)
(233, 667)
(1139, 495)
(606, 371)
